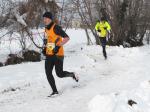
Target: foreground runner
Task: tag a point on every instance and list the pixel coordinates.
(54, 41)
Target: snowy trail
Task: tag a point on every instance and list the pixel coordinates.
(124, 70)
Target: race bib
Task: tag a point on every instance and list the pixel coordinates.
(50, 46)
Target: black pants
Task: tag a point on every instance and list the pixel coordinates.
(56, 61)
(103, 42)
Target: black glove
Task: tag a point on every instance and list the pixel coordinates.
(105, 28)
(99, 30)
(44, 51)
(45, 41)
(56, 49)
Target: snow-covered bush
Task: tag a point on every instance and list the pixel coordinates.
(21, 17)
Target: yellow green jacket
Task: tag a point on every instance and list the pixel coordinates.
(104, 27)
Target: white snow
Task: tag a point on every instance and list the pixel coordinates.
(20, 19)
(104, 86)
(118, 102)
(101, 104)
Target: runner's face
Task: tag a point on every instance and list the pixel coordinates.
(47, 21)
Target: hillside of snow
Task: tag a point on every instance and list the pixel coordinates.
(104, 86)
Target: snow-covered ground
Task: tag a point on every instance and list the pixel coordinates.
(104, 86)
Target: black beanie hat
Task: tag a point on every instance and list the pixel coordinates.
(103, 19)
(48, 15)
